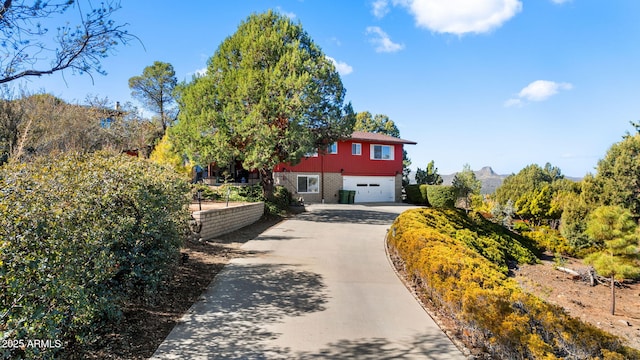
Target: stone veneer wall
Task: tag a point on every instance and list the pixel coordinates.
(332, 183)
(225, 220)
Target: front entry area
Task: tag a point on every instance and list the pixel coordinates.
(371, 188)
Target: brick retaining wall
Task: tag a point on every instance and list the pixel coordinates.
(225, 220)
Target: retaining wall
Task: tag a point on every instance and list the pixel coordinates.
(220, 221)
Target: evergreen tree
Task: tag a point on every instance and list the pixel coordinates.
(154, 88)
(617, 181)
(466, 184)
(616, 234)
(380, 124)
(269, 96)
(429, 176)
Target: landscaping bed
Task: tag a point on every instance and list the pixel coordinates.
(145, 326)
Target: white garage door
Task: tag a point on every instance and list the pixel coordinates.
(371, 188)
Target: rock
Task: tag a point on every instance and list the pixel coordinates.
(624, 322)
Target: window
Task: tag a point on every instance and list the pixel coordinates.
(332, 148)
(308, 183)
(382, 152)
(106, 123)
(356, 149)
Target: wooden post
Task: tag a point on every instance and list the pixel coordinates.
(613, 294)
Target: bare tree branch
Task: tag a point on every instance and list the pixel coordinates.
(26, 44)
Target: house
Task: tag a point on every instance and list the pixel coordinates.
(368, 163)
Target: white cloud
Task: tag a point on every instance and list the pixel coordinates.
(198, 72)
(513, 103)
(382, 41)
(461, 16)
(380, 8)
(342, 67)
(290, 15)
(559, 1)
(538, 90)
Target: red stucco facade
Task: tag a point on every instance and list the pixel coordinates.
(368, 163)
(346, 163)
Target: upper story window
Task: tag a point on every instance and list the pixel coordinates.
(356, 149)
(382, 152)
(332, 148)
(311, 154)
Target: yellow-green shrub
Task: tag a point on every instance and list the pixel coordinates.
(446, 254)
(549, 239)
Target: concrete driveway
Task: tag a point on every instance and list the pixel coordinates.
(317, 286)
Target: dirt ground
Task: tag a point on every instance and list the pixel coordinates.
(145, 326)
(581, 300)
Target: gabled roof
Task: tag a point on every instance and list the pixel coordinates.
(375, 137)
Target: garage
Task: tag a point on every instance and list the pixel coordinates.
(371, 188)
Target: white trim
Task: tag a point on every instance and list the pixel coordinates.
(315, 189)
(391, 152)
(330, 146)
(359, 145)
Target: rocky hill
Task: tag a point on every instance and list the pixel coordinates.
(489, 179)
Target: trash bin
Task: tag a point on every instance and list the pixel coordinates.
(343, 197)
(352, 196)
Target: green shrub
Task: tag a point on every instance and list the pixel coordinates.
(414, 195)
(79, 235)
(276, 206)
(207, 192)
(458, 263)
(281, 201)
(440, 196)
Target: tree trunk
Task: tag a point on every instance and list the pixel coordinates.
(568, 271)
(266, 180)
(613, 295)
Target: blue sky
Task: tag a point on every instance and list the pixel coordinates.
(501, 83)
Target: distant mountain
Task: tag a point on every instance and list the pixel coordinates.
(489, 179)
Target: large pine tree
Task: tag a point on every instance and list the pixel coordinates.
(616, 233)
(269, 96)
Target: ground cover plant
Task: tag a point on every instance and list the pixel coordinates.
(461, 264)
(79, 235)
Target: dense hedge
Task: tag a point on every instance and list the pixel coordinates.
(439, 196)
(459, 263)
(80, 234)
(414, 195)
